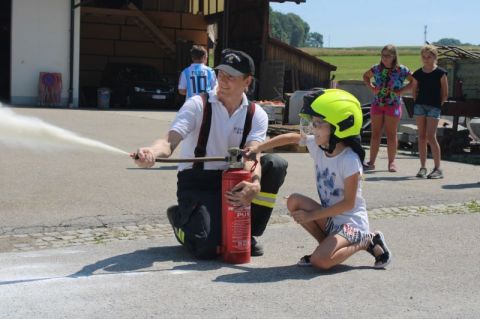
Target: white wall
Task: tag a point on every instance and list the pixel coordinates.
(40, 43)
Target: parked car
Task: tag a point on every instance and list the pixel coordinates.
(137, 85)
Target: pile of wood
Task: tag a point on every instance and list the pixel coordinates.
(453, 52)
(274, 109)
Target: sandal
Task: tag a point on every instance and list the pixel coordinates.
(305, 261)
(383, 259)
(370, 166)
(392, 167)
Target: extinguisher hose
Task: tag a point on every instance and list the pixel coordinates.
(188, 160)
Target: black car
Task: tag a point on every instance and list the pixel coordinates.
(137, 85)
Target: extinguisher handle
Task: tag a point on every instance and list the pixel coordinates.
(251, 156)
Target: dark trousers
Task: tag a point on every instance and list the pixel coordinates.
(198, 215)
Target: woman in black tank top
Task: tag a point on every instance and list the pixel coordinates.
(430, 91)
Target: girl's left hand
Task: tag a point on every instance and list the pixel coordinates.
(301, 216)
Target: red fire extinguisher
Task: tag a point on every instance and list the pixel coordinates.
(236, 221)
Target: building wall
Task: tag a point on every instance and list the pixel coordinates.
(311, 72)
(40, 43)
(118, 39)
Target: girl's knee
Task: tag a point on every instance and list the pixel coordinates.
(376, 136)
(321, 262)
(391, 136)
(431, 138)
(292, 202)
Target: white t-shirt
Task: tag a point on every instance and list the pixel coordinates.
(225, 131)
(331, 173)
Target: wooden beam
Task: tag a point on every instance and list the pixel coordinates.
(109, 12)
(153, 28)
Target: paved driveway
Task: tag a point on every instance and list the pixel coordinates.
(47, 188)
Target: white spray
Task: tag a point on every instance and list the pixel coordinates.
(22, 131)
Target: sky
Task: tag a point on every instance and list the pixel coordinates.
(353, 23)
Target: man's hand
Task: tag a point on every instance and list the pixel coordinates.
(243, 193)
(144, 157)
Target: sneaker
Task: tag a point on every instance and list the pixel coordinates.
(422, 173)
(304, 261)
(435, 174)
(382, 260)
(256, 249)
(179, 234)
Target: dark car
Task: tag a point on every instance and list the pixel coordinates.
(137, 85)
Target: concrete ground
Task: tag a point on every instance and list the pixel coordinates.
(84, 235)
(434, 273)
(49, 189)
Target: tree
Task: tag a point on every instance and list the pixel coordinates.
(448, 41)
(314, 40)
(298, 30)
(276, 27)
(288, 28)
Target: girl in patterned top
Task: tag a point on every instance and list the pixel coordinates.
(386, 109)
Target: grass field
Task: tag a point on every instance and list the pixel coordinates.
(351, 63)
(352, 67)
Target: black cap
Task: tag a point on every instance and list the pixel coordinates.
(236, 63)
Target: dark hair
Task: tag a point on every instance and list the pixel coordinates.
(354, 142)
(197, 52)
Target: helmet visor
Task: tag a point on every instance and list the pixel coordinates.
(306, 125)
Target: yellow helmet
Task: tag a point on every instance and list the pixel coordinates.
(337, 107)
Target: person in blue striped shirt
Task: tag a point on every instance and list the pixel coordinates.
(198, 77)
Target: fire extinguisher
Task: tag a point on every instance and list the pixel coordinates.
(236, 221)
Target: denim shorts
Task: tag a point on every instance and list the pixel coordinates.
(426, 110)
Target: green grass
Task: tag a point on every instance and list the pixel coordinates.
(351, 63)
(352, 67)
(359, 51)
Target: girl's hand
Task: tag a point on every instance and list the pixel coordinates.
(252, 149)
(301, 216)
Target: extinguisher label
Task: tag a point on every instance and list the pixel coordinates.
(240, 228)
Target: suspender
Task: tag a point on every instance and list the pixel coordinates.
(201, 148)
(248, 123)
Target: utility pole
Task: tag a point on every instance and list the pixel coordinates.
(425, 35)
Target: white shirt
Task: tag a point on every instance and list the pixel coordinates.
(331, 173)
(225, 131)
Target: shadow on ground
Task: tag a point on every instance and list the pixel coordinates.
(461, 186)
(141, 261)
